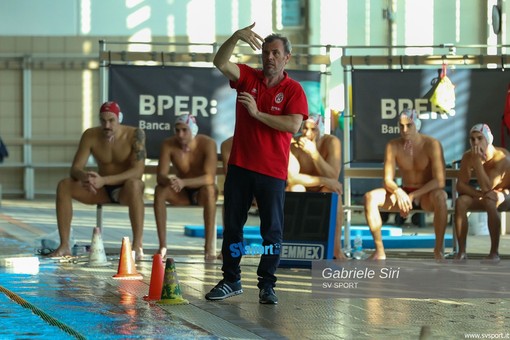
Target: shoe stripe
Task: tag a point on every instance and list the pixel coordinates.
(225, 289)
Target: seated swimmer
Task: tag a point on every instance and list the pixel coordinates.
(315, 165)
(489, 165)
(119, 151)
(194, 158)
(421, 163)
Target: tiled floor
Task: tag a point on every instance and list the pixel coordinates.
(87, 302)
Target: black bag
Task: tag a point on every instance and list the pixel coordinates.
(505, 119)
(3, 151)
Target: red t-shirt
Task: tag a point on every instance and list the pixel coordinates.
(256, 146)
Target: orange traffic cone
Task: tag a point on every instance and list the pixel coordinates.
(97, 256)
(157, 277)
(127, 270)
(171, 293)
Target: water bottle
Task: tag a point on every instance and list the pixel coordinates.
(358, 253)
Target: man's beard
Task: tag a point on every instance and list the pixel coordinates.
(270, 71)
(109, 135)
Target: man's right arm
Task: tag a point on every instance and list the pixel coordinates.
(390, 157)
(464, 176)
(208, 146)
(295, 177)
(163, 164)
(481, 175)
(81, 157)
(390, 165)
(226, 148)
(329, 166)
(222, 57)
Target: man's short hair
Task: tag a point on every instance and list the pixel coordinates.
(287, 46)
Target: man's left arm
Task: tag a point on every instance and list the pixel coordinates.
(295, 177)
(329, 166)
(137, 160)
(210, 163)
(286, 123)
(438, 171)
(497, 177)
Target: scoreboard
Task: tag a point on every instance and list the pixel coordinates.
(309, 228)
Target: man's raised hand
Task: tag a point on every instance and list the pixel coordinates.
(251, 38)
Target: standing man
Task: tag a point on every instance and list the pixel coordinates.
(315, 165)
(194, 159)
(270, 108)
(489, 165)
(421, 163)
(119, 152)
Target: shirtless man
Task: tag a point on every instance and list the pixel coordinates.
(225, 149)
(315, 165)
(194, 158)
(420, 161)
(489, 166)
(119, 151)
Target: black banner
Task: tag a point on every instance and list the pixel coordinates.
(379, 95)
(151, 97)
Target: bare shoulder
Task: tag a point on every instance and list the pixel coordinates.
(129, 134)
(227, 143)
(395, 142)
(329, 142)
(91, 135)
(431, 140)
(432, 145)
(92, 132)
(504, 152)
(206, 143)
(504, 156)
(134, 131)
(204, 139)
(168, 142)
(330, 139)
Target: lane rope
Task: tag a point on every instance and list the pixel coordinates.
(42, 314)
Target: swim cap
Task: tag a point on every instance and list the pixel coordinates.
(484, 130)
(412, 115)
(112, 107)
(188, 120)
(318, 120)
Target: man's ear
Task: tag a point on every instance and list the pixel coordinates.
(287, 58)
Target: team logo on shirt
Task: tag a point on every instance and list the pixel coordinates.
(279, 98)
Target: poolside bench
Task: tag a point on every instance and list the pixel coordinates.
(363, 173)
(151, 170)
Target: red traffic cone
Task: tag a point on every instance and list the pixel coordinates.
(97, 256)
(171, 293)
(157, 277)
(127, 270)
